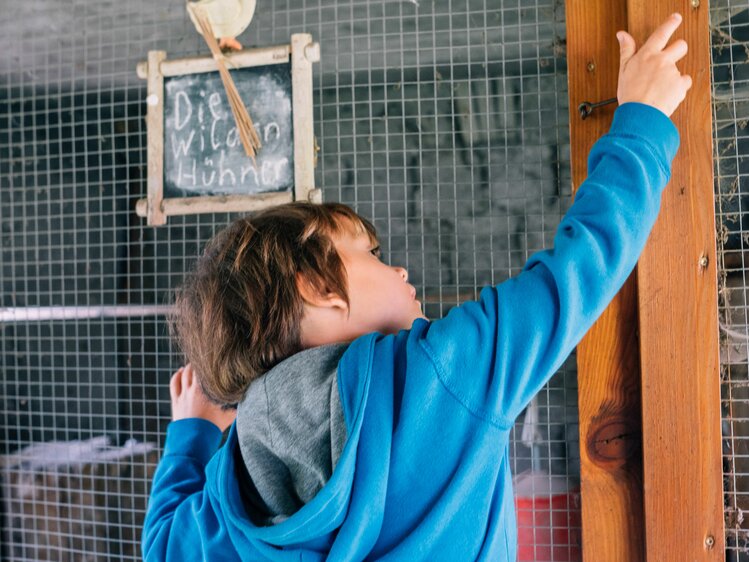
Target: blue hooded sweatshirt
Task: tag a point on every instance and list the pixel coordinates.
(424, 473)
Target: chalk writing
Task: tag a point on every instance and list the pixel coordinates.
(203, 151)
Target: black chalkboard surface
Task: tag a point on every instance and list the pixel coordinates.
(203, 153)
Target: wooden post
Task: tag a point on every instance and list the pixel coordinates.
(607, 358)
(666, 504)
(678, 311)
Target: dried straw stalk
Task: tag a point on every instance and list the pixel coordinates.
(247, 133)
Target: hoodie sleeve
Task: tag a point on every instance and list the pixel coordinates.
(180, 518)
(495, 354)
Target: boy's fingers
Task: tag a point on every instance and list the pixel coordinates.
(676, 50)
(659, 39)
(627, 46)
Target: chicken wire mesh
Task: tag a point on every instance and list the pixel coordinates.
(445, 122)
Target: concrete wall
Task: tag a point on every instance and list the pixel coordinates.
(445, 122)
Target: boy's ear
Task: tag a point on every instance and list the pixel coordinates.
(314, 297)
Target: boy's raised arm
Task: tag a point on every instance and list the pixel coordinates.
(495, 354)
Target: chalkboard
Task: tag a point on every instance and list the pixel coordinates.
(203, 154)
(196, 160)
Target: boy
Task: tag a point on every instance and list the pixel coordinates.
(364, 431)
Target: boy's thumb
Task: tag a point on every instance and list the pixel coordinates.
(626, 46)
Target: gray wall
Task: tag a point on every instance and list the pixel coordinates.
(445, 122)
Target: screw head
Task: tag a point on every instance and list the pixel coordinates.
(703, 262)
(591, 66)
(695, 3)
(709, 542)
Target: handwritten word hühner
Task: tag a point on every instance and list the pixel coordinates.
(216, 131)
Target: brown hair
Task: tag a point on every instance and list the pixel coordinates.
(238, 312)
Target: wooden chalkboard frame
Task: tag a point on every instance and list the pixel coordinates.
(302, 52)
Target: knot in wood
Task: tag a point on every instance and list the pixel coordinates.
(613, 442)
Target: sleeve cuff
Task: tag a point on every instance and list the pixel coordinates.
(192, 437)
(647, 122)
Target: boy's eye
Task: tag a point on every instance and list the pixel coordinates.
(376, 252)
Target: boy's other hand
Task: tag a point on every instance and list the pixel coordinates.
(188, 400)
(650, 75)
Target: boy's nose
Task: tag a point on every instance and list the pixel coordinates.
(402, 272)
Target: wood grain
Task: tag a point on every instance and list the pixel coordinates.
(241, 59)
(155, 138)
(678, 322)
(217, 204)
(303, 54)
(607, 358)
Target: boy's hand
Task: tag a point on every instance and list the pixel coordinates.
(650, 75)
(188, 400)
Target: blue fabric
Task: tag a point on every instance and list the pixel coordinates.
(425, 472)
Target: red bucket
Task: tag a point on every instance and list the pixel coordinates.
(548, 516)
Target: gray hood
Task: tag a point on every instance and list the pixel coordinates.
(291, 432)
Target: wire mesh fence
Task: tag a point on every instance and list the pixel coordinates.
(730, 65)
(444, 122)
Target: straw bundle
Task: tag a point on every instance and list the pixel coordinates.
(247, 133)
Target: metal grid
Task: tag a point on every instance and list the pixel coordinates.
(730, 90)
(445, 122)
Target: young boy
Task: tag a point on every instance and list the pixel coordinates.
(364, 431)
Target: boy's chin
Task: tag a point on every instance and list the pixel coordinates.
(405, 324)
(408, 324)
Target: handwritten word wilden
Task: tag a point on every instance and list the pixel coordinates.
(219, 168)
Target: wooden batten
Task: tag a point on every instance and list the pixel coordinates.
(607, 358)
(217, 204)
(155, 138)
(303, 53)
(678, 313)
(241, 59)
